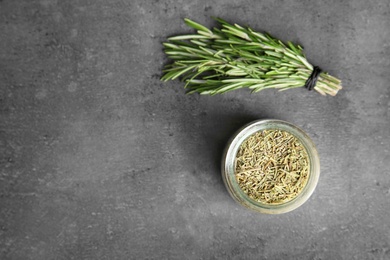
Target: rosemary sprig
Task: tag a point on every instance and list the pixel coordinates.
(220, 60)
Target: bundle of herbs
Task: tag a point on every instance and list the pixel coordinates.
(215, 61)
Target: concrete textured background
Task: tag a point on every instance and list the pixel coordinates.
(100, 160)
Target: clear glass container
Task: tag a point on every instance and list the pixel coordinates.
(228, 166)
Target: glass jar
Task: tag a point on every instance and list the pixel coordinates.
(228, 166)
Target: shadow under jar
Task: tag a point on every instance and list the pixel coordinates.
(252, 194)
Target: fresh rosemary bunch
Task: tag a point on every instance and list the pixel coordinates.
(233, 57)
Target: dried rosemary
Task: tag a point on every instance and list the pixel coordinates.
(272, 166)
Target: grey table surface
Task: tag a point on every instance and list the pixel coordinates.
(101, 160)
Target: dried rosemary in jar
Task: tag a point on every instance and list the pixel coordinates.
(272, 166)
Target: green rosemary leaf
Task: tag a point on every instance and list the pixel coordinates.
(207, 50)
(187, 37)
(199, 43)
(182, 54)
(274, 54)
(293, 48)
(171, 46)
(197, 26)
(235, 32)
(229, 87)
(228, 41)
(175, 74)
(259, 36)
(236, 72)
(244, 80)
